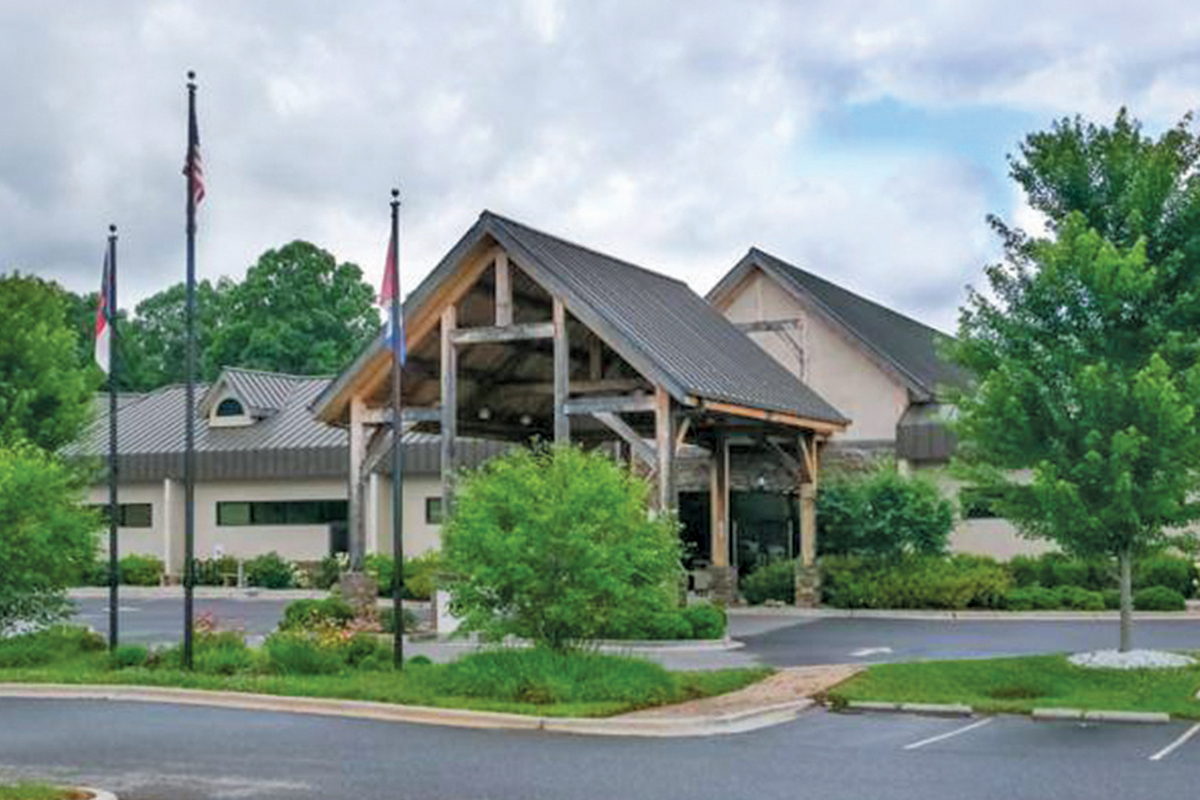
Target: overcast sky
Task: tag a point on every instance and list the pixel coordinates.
(863, 141)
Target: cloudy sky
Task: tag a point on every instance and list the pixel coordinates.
(864, 141)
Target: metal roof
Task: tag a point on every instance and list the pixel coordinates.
(908, 346)
(658, 324)
(289, 443)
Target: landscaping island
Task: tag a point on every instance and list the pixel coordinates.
(534, 681)
(1019, 685)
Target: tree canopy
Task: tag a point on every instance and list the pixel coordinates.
(45, 393)
(1083, 418)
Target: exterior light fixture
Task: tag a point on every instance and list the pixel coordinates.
(485, 413)
(526, 420)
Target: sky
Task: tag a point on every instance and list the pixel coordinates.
(863, 141)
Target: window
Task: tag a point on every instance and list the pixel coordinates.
(282, 512)
(230, 407)
(129, 515)
(433, 511)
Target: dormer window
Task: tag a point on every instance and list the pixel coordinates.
(230, 407)
(230, 412)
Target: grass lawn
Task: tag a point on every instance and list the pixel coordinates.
(32, 791)
(1022, 684)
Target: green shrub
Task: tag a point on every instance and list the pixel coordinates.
(1158, 598)
(884, 514)
(128, 655)
(59, 643)
(707, 620)
(224, 660)
(363, 650)
(269, 571)
(47, 537)
(420, 575)
(555, 545)
(327, 573)
(308, 614)
(212, 571)
(949, 582)
(1079, 599)
(382, 568)
(419, 661)
(1112, 599)
(293, 653)
(141, 570)
(387, 620)
(775, 581)
(1031, 598)
(1025, 571)
(543, 676)
(1175, 572)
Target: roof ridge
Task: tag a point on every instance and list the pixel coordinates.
(487, 213)
(838, 287)
(275, 374)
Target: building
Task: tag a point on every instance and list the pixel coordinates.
(881, 368)
(269, 476)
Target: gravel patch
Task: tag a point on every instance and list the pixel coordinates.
(1134, 659)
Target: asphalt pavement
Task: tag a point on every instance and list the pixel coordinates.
(154, 752)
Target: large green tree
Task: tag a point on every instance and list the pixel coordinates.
(45, 392)
(154, 341)
(298, 310)
(1083, 417)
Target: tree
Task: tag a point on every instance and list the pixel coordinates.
(1086, 360)
(47, 536)
(297, 311)
(45, 392)
(555, 545)
(154, 342)
(882, 513)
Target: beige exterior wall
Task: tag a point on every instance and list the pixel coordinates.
(993, 537)
(836, 368)
(140, 541)
(419, 536)
(295, 542)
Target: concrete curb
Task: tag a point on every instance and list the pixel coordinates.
(1080, 715)
(738, 722)
(616, 646)
(922, 709)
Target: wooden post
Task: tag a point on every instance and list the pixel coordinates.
(723, 583)
(595, 358)
(664, 435)
(504, 307)
(808, 577)
(358, 448)
(562, 366)
(449, 394)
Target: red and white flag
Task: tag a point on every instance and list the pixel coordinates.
(390, 290)
(104, 316)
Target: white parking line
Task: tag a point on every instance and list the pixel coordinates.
(1173, 746)
(955, 732)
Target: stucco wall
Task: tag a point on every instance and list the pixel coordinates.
(834, 367)
(419, 537)
(294, 542)
(142, 541)
(985, 537)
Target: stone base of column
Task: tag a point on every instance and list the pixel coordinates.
(808, 587)
(360, 590)
(724, 585)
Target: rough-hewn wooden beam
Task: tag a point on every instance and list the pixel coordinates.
(449, 398)
(383, 416)
(820, 426)
(664, 443)
(504, 296)
(637, 445)
(562, 372)
(615, 404)
(719, 502)
(508, 333)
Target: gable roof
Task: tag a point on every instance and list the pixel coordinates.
(289, 443)
(262, 393)
(658, 324)
(907, 346)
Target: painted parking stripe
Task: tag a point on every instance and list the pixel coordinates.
(955, 732)
(1175, 745)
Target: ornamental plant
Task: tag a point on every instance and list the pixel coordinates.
(557, 545)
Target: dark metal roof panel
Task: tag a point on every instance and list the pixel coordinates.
(673, 327)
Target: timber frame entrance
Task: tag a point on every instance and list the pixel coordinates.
(520, 336)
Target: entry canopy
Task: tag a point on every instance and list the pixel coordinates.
(626, 333)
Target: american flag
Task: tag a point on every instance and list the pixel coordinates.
(193, 168)
(387, 292)
(104, 315)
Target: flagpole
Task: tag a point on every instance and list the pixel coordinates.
(189, 451)
(397, 444)
(114, 575)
